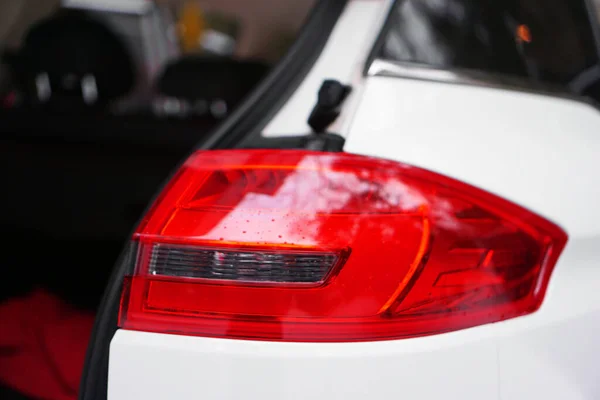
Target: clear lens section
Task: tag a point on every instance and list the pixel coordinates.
(240, 266)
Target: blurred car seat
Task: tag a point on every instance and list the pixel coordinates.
(72, 62)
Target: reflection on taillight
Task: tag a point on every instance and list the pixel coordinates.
(309, 246)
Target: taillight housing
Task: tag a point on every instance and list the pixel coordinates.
(308, 246)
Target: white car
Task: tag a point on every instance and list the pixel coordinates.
(439, 240)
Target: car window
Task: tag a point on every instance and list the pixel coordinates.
(547, 41)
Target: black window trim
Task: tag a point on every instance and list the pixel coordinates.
(378, 67)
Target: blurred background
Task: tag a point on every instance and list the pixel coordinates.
(101, 99)
(159, 38)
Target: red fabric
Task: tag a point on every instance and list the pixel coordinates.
(42, 346)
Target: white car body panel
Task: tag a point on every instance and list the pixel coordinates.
(538, 151)
(179, 367)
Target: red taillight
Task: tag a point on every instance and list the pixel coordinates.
(308, 246)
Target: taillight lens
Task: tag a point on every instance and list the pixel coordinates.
(308, 246)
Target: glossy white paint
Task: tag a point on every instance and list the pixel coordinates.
(190, 368)
(343, 58)
(537, 151)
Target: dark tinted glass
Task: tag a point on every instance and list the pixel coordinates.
(548, 41)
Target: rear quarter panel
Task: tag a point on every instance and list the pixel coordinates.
(538, 151)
